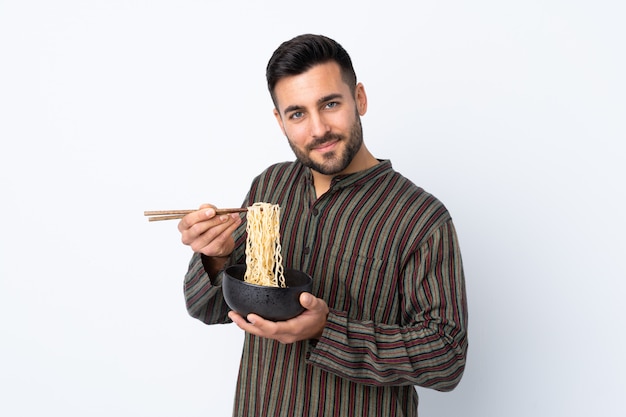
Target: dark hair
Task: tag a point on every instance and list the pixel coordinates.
(299, 54)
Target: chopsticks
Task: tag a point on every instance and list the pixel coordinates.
(157, 215)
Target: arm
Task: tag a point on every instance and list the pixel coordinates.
(203, 294)
(211, 238)
(428, 347)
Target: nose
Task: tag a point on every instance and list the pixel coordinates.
(318, 125)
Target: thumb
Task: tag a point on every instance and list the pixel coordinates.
(307, 300)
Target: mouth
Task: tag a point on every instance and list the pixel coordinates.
(326, 146)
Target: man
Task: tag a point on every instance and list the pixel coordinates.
(388, 305)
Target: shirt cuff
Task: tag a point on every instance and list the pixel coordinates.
(333, 333)
(216, 280)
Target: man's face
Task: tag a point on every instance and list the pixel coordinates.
(321, 118)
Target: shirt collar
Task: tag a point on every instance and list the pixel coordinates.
(355, 179)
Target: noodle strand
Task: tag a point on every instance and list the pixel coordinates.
(264, 262)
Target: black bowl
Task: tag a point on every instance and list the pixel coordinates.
(271, 303)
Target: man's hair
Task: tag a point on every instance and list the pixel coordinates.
(303, 52)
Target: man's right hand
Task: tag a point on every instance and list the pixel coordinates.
(209, 234)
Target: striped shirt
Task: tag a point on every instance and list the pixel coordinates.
(383, 254)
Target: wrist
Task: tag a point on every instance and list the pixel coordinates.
(214, 264)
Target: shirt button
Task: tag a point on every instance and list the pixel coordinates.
(315, 212)
(306, 250)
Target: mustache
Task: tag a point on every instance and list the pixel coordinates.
(328, 137)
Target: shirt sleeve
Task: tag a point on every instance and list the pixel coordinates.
(429, 345)
(203, 294)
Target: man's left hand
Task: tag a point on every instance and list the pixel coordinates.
(308, 325)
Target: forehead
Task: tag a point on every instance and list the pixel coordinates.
(307, 88)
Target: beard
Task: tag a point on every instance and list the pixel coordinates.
(333, 162)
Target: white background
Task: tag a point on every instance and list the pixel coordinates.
(512, 113)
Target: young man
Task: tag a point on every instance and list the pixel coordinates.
(388, 305)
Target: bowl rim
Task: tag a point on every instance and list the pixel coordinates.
(266, 287)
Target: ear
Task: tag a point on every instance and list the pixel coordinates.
(360, 98)
(279, 120)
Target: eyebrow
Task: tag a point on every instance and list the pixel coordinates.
(296, 107)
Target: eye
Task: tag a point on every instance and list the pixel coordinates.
(296, 115)
(331, 105)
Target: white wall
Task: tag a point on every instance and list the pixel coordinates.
(512, 113)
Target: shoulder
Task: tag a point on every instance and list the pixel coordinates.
(405, 192)
(280, 169)
(418, 210)
(275, 178)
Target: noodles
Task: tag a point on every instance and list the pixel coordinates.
(264, 263)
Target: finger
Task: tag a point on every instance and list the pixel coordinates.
(308, 301)
(255, 320)
(232, 225)
(245, 325)
(205, 212)
(235, 317)
(211, 233)
(241, 322)
(218, 239)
